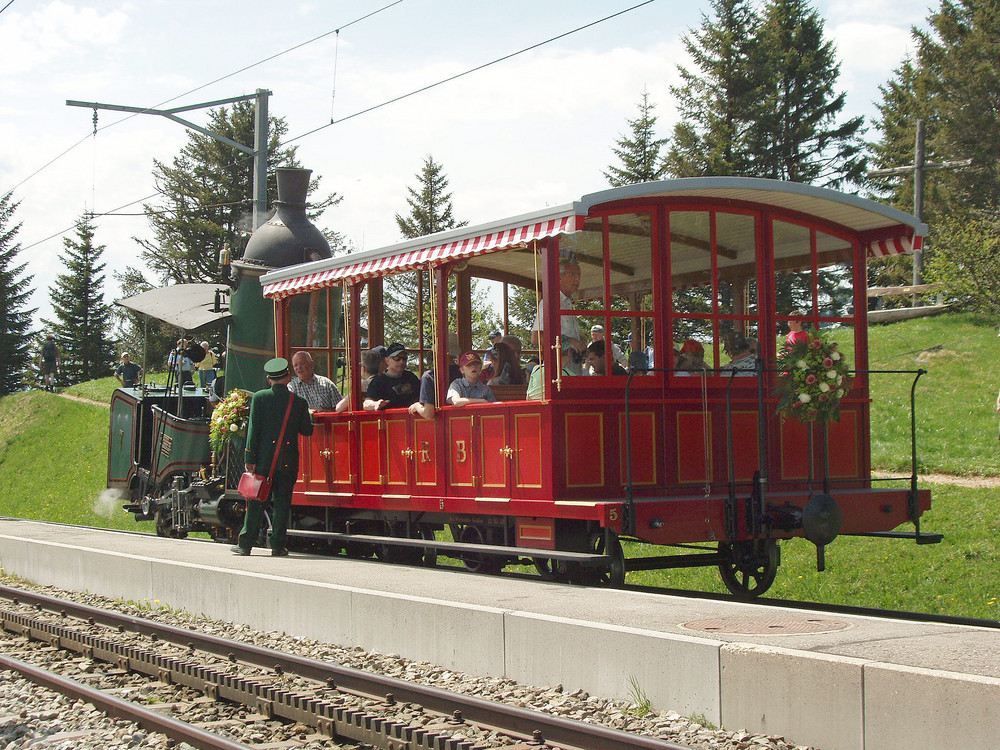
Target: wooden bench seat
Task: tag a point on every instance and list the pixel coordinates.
(510, 392)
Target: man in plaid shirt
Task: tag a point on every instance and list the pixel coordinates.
(319, 392)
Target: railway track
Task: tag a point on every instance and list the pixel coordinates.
(155, 721)
(333, 701)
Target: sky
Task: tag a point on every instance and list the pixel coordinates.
(532, 131)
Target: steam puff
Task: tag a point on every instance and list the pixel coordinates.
(107, 503)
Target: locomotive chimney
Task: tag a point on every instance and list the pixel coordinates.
(286, 239)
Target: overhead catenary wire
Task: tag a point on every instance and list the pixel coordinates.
(348, 117)
(245, 68)
(467, 72)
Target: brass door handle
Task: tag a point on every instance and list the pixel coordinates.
(407, 453)
(325, 453)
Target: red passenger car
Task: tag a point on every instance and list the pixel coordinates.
(650, 453)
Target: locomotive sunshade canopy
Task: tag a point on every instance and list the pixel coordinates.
(891, 231)
(186, 306)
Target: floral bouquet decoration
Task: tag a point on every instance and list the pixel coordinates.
(229, 420)
(812, 378)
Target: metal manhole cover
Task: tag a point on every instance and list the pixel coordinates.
(778, 625)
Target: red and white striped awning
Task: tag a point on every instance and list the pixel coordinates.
(410, 256)
(894, 246)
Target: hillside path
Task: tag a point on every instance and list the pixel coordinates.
(977, 482)
(82, 400)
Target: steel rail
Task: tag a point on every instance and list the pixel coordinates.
(119, 708)
(511, 720)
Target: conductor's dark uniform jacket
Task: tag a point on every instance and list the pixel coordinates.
(267, 412)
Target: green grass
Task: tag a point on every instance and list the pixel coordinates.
(95, 390)
(53, 467)
(53, 461)
(956, 577)
(956, 399)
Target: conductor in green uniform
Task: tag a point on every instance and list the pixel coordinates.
(267, 413)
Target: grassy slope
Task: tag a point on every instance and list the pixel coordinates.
(53, 461)
(57, 474)
(956, 399)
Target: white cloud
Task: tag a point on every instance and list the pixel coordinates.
(40, 37)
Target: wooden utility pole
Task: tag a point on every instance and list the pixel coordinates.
(919, 167)
(259, 150)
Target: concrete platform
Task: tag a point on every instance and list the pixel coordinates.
(834, 682)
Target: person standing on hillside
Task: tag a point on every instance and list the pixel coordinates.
(267, 415)
(49, 361)
(128, 372)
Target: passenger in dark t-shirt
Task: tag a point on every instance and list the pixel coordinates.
(397, 387)
(400, 391)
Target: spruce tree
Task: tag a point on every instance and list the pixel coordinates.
(960, 85)
(430, 205)
(639, 150)
(720, 99)
(953, 85)
(798, 138)
(431, 211)
(15, 318)
(82, 324)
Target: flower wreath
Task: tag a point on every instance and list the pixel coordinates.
(229, 420)
(812, 378)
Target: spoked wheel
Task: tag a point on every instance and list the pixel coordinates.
(614, 574)
(165, 524)
(426, 556)
(548, 569)
(750, 566)
(407, 555)
(363, 550)
(476, 563)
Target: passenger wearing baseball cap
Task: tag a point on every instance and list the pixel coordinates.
(617, 355)
(267, 415)
(468, 389)
(397, 387)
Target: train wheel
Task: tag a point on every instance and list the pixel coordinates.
(614, 574)
(165, 524)
(548, 569)
(477, 563)
(427, 556)
(750, 566)
(407, 555)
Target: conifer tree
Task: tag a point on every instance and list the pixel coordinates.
(639, 150)
(798, 137)
(430, 205)
(15, 317)
(82, 324)
(953, 85)
(960, 85)
(431, 211)
(720, 99)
